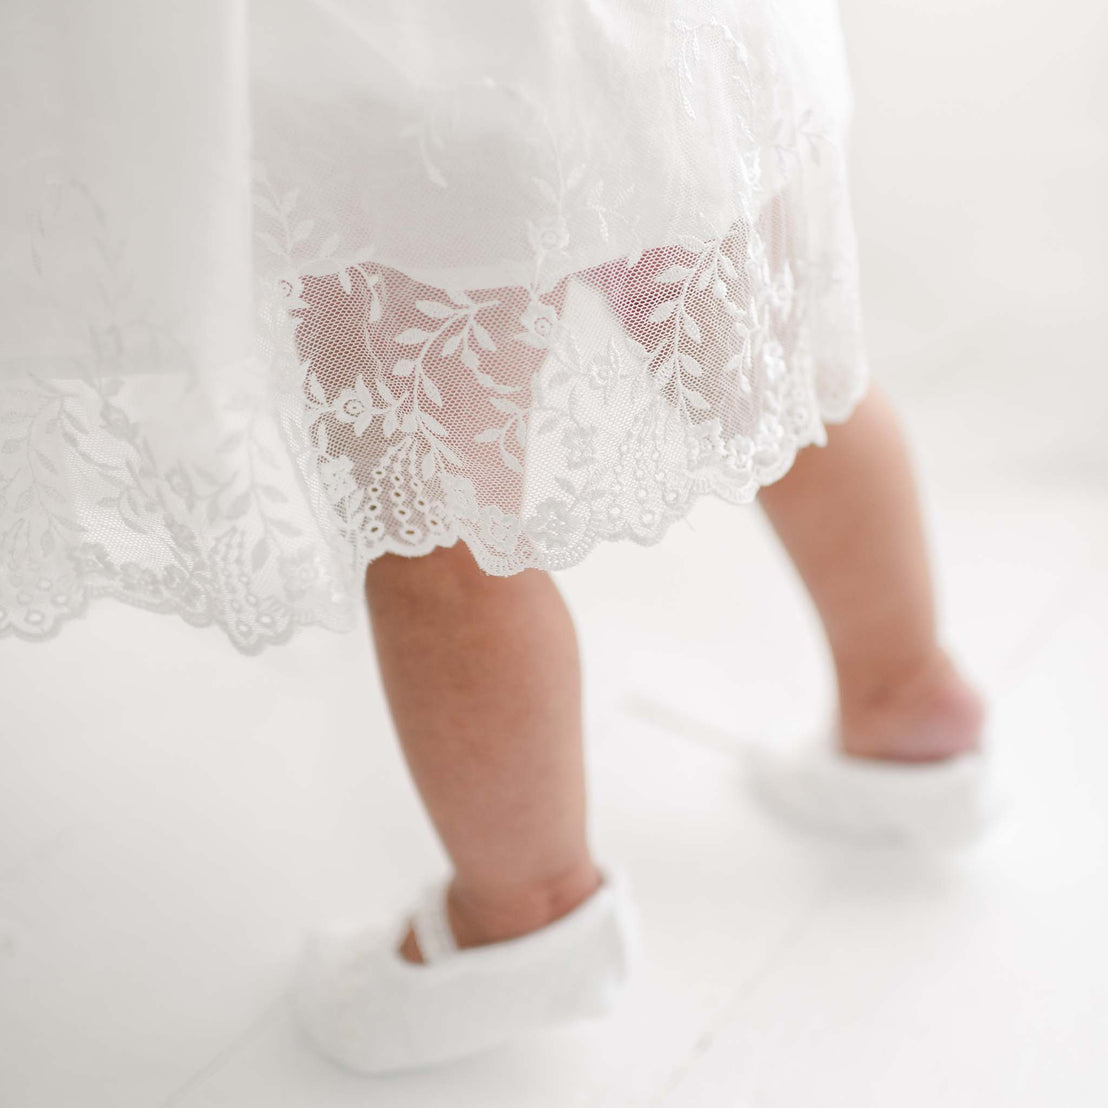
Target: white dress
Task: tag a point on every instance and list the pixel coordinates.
(290, 284)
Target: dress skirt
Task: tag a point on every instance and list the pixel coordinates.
(290, 284)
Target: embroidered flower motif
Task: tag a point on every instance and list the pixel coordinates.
(770, 430)
(739, 452)
(782, 292)
(290, 290)
(550, 235)
(460, 495)
(552, 525)
(800, 414)
(355, 406)
(498, 528)
(580, 444)
(178, 481)
(704, 441)
(539, 321)
(191, 590)
(603, 371)
(301, 572)
(337, 477)
(183, 536)
(117, 422)
(139, 579)
(90, 559)
(773, 359)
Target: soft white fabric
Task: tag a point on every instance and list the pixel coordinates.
(431, 924)
(368, 1009)
(932, 806)
(289, 284)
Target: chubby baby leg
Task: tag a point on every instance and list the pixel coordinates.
(483, 681)
(848, 514)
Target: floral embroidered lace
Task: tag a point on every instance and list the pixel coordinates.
(532, 277)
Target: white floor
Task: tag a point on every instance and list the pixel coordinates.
(173, 815)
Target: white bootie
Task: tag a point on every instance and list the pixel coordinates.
(366, 1007)
(934, 806)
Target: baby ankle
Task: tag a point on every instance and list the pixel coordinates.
(932, 715)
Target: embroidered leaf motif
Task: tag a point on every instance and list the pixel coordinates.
(728, 267)
(432, 424)
(316, 389)
(663, 311)
(664, 372)
(239, 506)
(673, 275)
(484, 339)
(434, 309)
(432, 390)
(383, 388)
(445, 450)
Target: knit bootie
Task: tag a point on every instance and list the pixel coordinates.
(366, 1007)
(933, 806)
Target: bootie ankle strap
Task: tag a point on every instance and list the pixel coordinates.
(431, 924)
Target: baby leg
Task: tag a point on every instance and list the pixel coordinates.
(849, 517)
(483, 681)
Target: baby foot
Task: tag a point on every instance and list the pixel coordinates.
(931, 715)
(907, 772)
(363, 1007)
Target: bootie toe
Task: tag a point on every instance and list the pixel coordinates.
(932, 806)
